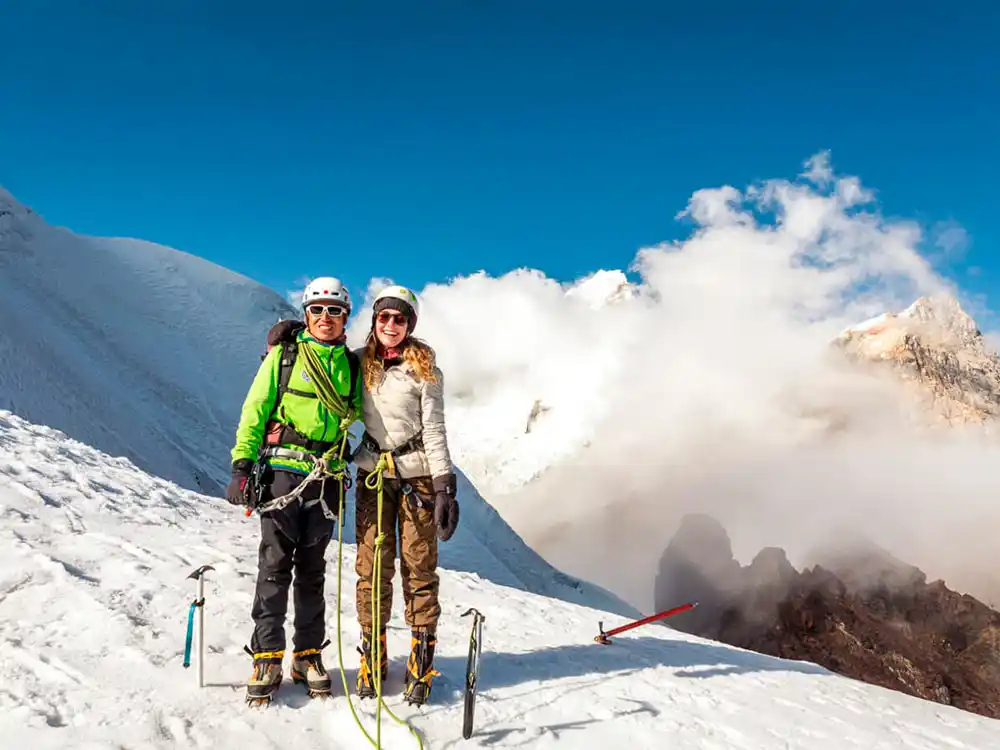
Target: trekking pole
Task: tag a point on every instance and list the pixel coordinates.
(602, 637)
(199, 604)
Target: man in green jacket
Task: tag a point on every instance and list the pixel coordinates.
(300, 404)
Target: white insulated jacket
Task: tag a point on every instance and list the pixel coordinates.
(397, 409)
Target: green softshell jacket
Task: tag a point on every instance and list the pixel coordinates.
(307, 415)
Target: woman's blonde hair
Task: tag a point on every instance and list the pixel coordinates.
(417, 353)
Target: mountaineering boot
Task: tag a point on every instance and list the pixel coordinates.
(367, 687)
(419, 670)
(307, 667)
(266, 677)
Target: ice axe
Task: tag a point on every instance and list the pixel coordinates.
(472, 669)
(199, 604)
(602, 637)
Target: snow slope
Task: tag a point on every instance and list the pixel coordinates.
(138, 349)
(93, 607)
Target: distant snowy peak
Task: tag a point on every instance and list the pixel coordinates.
(938, 319)
(603, 288)
(936, 350)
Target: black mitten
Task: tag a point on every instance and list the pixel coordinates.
(445, 506)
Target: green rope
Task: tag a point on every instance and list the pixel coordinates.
(331, 399)
(379, 536)
(325, 390)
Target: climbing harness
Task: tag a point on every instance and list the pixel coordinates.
(321, 471)
(385, 463)
(197, 604)
(408, 446)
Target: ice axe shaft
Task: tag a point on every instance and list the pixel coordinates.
(603, 636)
(199, 604)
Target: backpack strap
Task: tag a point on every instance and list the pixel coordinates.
(289, 353)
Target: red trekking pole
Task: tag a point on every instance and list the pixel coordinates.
(602, 637)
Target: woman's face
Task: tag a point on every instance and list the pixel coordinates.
(390, 328)
(326, 320)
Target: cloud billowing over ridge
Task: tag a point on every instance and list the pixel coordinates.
(707, 390)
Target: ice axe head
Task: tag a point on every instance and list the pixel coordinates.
(602, 637)
(199, 572)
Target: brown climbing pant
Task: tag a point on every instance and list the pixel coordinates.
(412, 516)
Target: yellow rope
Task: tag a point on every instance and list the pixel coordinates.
(384, 462)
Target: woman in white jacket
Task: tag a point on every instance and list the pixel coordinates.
(404, 446)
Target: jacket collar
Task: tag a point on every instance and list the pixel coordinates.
(304, 335)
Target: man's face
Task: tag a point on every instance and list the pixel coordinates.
(326, 319)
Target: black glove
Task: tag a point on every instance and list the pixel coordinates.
(284, 331)
(445, 506)
(236, 492)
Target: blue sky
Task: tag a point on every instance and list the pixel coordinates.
(426, 140)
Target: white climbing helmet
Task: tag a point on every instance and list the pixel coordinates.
(398, 298)
(328, 289)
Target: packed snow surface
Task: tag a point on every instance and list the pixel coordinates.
(94, 598)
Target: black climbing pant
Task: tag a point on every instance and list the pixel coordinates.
(292, 554)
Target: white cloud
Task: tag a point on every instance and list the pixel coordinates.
(294, 295)
(819, 170)
(701, 393)
(951, 239)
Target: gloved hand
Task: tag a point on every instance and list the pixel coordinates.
(445, 506)
(236, 492)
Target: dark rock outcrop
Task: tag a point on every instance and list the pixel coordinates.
(863, 614)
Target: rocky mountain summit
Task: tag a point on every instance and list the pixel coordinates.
(938, 353)
(862, 613)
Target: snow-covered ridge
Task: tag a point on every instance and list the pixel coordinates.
(942, 317)
(93, 608)
(138, 349)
